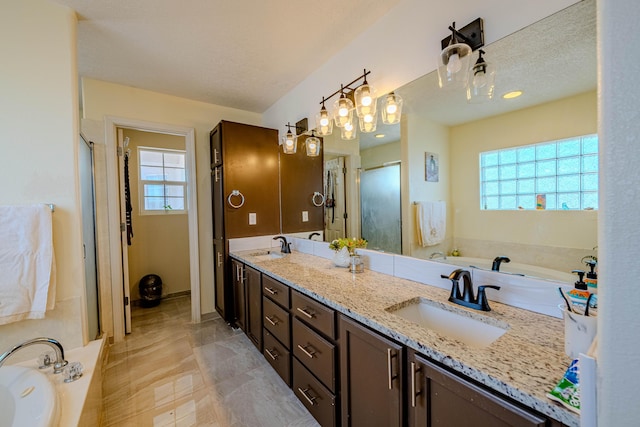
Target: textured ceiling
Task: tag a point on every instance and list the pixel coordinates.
(242, 54)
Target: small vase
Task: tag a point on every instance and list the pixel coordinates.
(342, 258)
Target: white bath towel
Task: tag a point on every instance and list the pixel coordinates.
(27, 264)
(431, 222)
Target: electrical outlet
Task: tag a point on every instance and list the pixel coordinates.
(252, 219)
(305, 216)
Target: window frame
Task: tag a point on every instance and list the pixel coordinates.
(164, 182)
(501, 179)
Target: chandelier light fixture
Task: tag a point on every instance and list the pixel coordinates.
(454, 60)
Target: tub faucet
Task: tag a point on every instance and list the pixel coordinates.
(467, 299)
(497, 261)
(285, 247)
(313, 234)
(55, 345)
(435, 254)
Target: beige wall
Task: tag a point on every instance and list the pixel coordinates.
(102, 99)
(545, 230)
(39, 141)
(380, 154)
(160, 244)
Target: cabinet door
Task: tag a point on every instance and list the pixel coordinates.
(221, 296)
(215, 140)
(440, 398)
(217, 202)
(237, 270)
(253, 287)
(371, 377)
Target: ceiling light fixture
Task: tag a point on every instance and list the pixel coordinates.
(482, 80)
(512, 94)
(453, 61)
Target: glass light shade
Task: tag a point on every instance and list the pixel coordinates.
(324, 123)
(343, 111)
(391, 109)
(289, 143)
(313, 146)
(364, 97)
(369, 121)
(481, 82)
(348, 131)
(453, 66)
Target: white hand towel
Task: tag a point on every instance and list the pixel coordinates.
(431, 222)
(27, 265)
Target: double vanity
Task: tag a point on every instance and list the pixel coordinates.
(376, 349)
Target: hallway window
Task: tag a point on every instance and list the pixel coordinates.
(163, 184)
(554, 175)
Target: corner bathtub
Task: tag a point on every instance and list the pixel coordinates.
(27, 398)
(511, 268)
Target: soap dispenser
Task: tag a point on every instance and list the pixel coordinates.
(579, 295)
(592, 276)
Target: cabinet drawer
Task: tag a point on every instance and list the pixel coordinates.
(316, 353)
(278, 292)
(276, 321)
(313, 395)
(314, 313)
(278, 357)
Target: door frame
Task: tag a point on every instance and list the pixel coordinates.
(113, 196)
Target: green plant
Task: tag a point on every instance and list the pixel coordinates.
(351, 244)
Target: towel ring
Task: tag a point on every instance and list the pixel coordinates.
(314, 198)
(236, 193)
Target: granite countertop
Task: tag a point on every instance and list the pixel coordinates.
(524, 363)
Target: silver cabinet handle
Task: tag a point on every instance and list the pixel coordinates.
(307, 352)
(390, 367)
(239, 273)
(219, 259)
(216, 174)
(215, 155)
(272, 353)
(306, 312)
(273, 322)
(271, 291)
(309, 398)
(413, 384)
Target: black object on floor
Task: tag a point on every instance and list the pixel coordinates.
(150, 287)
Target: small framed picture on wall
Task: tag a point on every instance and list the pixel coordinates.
(431, 167)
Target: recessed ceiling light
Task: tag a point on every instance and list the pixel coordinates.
(379, 135)
(513, 94)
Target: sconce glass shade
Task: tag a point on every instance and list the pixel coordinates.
(313, 146)
(364, 97)
(453, 66)
(343, 111)
(348, 131)
(369, 121)
(289, 143)
(481, 84)
(391, 109)
(324, 122)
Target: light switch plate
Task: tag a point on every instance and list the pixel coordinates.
(305, 216)
(252, 219)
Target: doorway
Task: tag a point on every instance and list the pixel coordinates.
(120, 289)
(335, 209)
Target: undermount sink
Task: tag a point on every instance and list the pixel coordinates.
(472, 329)
(267, 255)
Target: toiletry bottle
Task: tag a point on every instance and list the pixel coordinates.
(592, 276)
(579, 294)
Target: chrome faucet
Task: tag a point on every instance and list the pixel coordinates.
(467, 299)
(497, 261)
(285, 247)
(434, 254)
(55, 345)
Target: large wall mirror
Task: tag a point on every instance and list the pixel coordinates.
(378, 180)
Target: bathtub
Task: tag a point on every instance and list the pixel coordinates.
(512, 268)
(39, 398)
(27, 398)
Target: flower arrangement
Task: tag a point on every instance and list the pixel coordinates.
(351, 244)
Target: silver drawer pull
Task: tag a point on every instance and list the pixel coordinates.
(272, 353)
(307, 352)
(306, 312)
(273, 322)
(413, 384)
(390, 368)
(271, 291)
(310, 399)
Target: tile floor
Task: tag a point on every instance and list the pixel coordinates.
(170, 372)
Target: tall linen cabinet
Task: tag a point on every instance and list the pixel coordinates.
(245, 197)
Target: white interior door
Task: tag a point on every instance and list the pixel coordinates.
(123, 235)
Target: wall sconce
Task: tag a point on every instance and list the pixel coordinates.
(453, 61)
(342, 109)
(348, 132)
(290, 140)
(482, 80)
(391, 109)
(324, 123)
(313, 145)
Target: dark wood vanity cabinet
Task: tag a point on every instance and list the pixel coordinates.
(239, 294)
(253, 289)
(437, 397)
(276, 326)
(371, 377)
